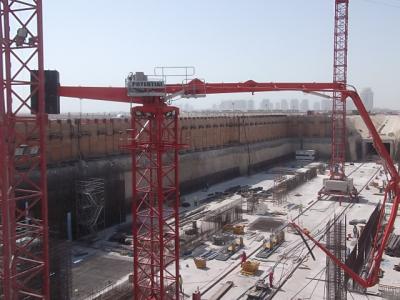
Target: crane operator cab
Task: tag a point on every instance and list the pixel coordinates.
(139, 85)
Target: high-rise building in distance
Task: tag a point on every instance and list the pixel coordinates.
(294, 104)
(304, 105)
(284, 104)
(317, 106)
(265, 104)
(367, 96)
(326, 105)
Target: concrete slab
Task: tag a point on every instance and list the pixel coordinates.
(98, 271)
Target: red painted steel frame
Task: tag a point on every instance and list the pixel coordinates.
(196, 87)
(155, 207)
(25, 271)
(155, 183)
(339, 104)
(141, 196)
(23, 197)
(383, 232)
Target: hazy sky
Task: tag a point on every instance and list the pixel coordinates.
(97, 43)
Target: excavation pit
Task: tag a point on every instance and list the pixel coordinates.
(266, 224)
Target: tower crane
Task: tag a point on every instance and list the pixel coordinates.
(155, 174)
(338, 184)
(154, 145)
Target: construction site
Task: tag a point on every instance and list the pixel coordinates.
(161, 204)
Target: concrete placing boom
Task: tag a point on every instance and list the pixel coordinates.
(196, 88)
(154, 147)
(155, 178)
(383, 231)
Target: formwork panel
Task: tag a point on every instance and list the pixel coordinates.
(98, 141)
(54, 138)
(109, 137)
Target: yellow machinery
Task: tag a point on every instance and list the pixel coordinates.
(236, 244)
(236, 229)
(275, 239)
(200, 263)
(232, 247)
(250, 268)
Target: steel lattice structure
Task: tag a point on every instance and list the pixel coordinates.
(24, 228)
(155, 174)
(338, 102)
(154, 145)
(155, 206)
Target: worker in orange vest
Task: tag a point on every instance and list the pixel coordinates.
(196, 295)
(271, 278)
(244, 258)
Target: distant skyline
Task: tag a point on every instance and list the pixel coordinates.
(227, 41)
(294, 104)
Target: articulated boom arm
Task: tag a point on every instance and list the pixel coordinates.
(382, 234)
(195, 88)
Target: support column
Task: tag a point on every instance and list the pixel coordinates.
(23, 200)
(155, 203)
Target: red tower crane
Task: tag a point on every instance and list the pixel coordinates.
(155, 172)
(23, 200)
(337, 170)
(154, 146)
(338, 115)
(156, 249)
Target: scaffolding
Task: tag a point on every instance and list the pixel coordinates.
(252, 204)
(225, 215)
(336, 242)
(214, 222)
(280, 190)
(90, 204)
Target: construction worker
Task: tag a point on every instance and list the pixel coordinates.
(355, 232)
(244, 258)
(271, 278)
(196, 295)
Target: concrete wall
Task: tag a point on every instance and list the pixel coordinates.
(197, 169)
(71, 140)
(62, 195)
(219, 148)
(387, 126)
(207, 167)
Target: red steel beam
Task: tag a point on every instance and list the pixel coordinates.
(197, 87)
(23, 201)
(381, 239)
(393, 185)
